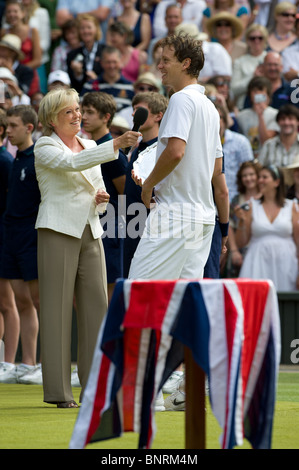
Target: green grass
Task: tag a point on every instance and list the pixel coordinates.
(28, 423)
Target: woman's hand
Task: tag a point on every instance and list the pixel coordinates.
(128, 139)
(102, 197)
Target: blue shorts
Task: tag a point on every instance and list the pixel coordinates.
(212, 267)
(19, 253)
(113, 247)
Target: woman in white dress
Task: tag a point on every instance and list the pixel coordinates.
(271, 227)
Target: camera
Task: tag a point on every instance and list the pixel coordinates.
(260, 98)
(245, 206)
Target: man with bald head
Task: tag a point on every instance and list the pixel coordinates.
(272, 68)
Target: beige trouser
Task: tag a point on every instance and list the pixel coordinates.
(69, 266)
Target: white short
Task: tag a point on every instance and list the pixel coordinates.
(171, 249)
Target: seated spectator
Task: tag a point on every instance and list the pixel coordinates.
(118, 126)
(217, 59)
(283, 34)
(222, 85)
(291, 178)
(111, 80)
(258, 122)
(30, 40)
(229, 6)
(58, 78)
(244, 67)
(283, 149)
(70, 40)
(236, 150)
(16, 93)
(84, 63)
(173, 17)
(10, 56)
(247, 186)
(192, 12)
(270, 229)
(39, 18)
(146, 82)
(139, 23)
(290, 57)
(281, 90)
(132, 59)
(226, 29)
(70, 9)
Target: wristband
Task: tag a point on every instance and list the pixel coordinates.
(224, 229)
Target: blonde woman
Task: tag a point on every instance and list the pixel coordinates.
(244, 67)
(71, 260)
(283, 34)
(230, 6)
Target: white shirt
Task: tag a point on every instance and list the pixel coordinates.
(217, 60)
(187, 190)
(290, 57)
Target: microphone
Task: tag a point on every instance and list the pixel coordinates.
(139, 118)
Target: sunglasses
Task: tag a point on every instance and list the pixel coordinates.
(223, 23)
(256, 38)
(146, 88)
(222, 82)
(286, 14)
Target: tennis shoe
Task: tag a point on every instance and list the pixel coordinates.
(171, 384)
(32, 377)
(176, 401)
(8, 373)
(159, 403)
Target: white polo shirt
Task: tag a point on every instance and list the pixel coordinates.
(187, 190)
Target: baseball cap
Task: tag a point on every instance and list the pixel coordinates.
(59, 76)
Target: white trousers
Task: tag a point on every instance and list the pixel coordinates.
(171, 249)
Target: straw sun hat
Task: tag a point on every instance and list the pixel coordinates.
(288, 171)
(237, 26)
(14, 43)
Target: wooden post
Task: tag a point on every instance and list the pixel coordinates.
(195, 419)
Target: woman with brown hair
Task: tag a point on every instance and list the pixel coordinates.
(271, 229)
(247, 186)
(83, 63)
(121, 37)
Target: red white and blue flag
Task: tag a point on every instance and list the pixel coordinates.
(232, 328)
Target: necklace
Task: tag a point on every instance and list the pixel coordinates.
(282, 38)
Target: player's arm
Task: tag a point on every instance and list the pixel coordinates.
(221, 199)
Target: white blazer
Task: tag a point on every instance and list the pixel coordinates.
(68, 183)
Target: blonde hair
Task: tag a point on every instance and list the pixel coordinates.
(257, 27)
(52, 103)
(92, 19)
(283, 6)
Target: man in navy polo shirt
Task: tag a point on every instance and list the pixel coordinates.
(111, 80)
